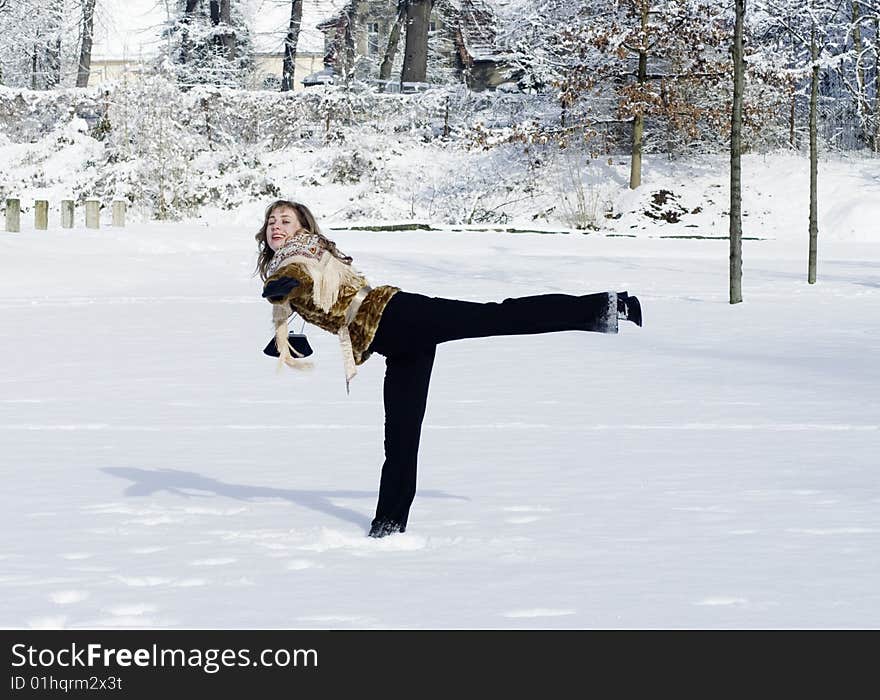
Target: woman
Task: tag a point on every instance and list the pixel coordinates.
(303, 271)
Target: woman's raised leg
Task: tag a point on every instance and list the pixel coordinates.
(417, 319)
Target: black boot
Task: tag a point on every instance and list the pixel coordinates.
(382, 527)
(629, 308)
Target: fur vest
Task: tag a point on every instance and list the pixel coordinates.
(327, 287)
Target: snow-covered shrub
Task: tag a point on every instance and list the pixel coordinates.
(349, 168)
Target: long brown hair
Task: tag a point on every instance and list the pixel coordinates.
(306, 219)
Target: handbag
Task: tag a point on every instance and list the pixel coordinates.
(298, 342)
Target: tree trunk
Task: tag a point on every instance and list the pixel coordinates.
(290, 42)
(349, 51)
(635, 169)
(227, 40)
(85, 51)
(415, 57)
(393, 42)
(53, 64)
(736, 158)
(189, 12)
(861, 97)
(877, 88)
(814, 157)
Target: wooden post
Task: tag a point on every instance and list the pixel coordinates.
(41, 215)
(13, 215)
(93, 213)
(66, 213)
(119, 213)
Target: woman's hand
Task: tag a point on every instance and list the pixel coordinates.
(277, 290)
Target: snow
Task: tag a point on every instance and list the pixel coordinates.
(715, 469)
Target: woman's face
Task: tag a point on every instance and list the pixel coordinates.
(280, 226)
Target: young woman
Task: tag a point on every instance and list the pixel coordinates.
(304, 272)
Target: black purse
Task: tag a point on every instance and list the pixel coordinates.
(298, 342)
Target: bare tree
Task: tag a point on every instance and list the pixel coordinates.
(290, 42)
(814, 152)
(812, 27)
(85, 51)
(606, 51)
(635, 168)
(736, 156)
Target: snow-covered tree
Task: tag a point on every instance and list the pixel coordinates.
(665, 60)
(209, 43)
(860, 69)
(36, 37)
(814, 34)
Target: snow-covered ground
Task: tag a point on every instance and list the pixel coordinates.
(718, 468)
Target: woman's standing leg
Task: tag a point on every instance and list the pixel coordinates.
(407, 376)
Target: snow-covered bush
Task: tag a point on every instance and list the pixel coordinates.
(349, 168)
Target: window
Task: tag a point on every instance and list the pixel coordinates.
(432, 26)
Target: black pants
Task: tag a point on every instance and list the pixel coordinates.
(413, 325)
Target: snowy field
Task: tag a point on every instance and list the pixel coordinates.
(716, 469)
